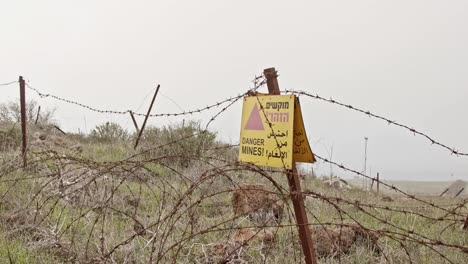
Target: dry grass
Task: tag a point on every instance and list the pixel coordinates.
(110, 204)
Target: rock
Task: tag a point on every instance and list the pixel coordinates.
(247, 235)
(331, 242)
(133, 202)
(139, 229)
(78, 148)
(387, 199)
(221, 253)
(233, 249)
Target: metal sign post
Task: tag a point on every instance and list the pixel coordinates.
(23, 120)
(295, 187)
(273, 135)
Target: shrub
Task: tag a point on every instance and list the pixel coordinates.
(10, 112)
(10, 122)
(187, 140)
(10, 136)
(109, 132)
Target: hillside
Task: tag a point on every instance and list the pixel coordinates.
(94, 199)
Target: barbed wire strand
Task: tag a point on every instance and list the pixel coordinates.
(389, 121)
(79, 206)
(8, 83)
(392, 187)
(184, 113)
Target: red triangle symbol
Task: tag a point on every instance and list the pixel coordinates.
(255, 121)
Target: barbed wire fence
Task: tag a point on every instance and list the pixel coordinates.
(116, 112)
(148, 206)
(387, 120)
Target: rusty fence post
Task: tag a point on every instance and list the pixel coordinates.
(38, 114)
(446, 190)
(146, 117)
(134, 121)
(60, 130)
(458, 193)
(23, 120)
(295, 187)
(378, 182)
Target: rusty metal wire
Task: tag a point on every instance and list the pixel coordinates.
(44, 95)
(392, 187)
(177, 220)
(258, 84)
(387, 120)
(144, 207)
(8, 83)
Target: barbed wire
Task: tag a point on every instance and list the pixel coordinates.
(44, 95)
(423, 240)
(404, 234)
(8, 83)
(258, 82)
(146, 207)
(392, 187)
(183, 206)
(390, 208)
(183, 113)
(389, 121)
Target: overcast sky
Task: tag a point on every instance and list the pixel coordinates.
(406, 60)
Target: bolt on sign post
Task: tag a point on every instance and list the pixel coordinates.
(273, 135)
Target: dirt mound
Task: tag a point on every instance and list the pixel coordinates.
(258, 203)
(234, 249)
(46, 140)
(331, 242)
(246, 235)
(16, 219)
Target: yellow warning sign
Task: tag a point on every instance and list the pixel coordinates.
(301, 148)
(272, 132)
